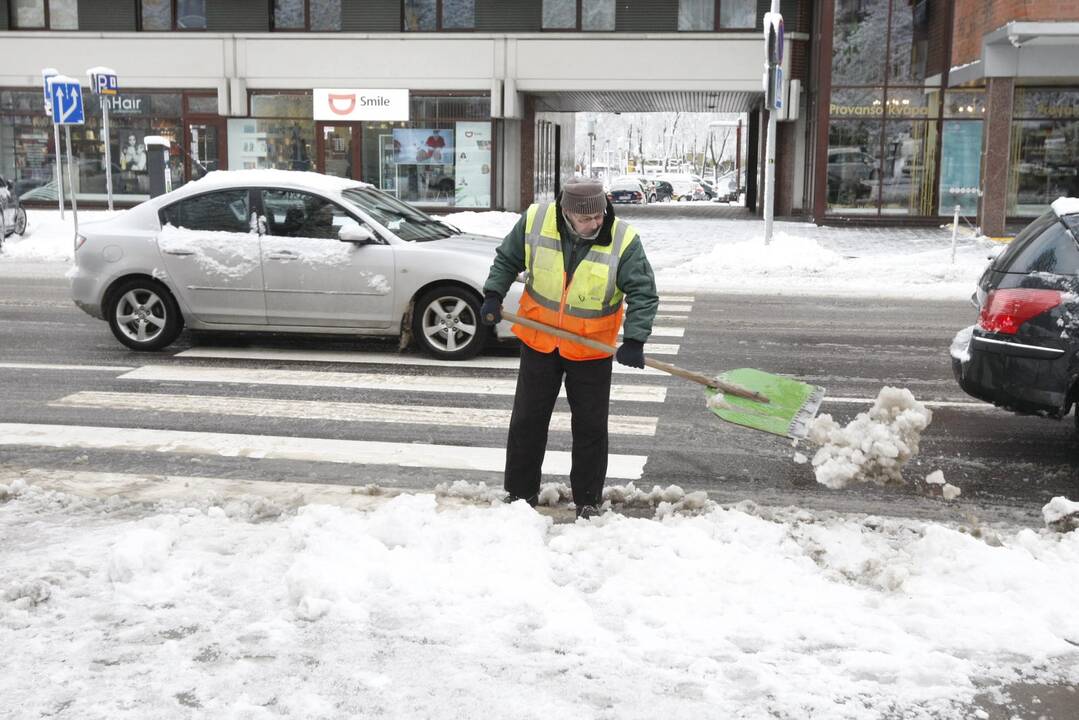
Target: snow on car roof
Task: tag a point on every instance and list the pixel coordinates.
(1066, 206)
(290, 178)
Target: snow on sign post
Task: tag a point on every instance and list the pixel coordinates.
(45, 75)
(104, 82)
(773, 100)
(65, 95)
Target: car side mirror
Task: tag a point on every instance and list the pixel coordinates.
(357, 234)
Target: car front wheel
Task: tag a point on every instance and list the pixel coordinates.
(446, 323)
(20, 221)
(143, 315)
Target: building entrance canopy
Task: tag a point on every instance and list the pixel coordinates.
(649, 101)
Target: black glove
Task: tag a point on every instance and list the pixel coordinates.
(491, 310)
(631, 353)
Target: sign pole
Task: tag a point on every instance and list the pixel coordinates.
(773, 100)
(108, 147)
(74, 204)
(59, 175)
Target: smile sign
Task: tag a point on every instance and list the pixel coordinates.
(351, 105)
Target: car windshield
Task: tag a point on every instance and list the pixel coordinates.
(403, 220)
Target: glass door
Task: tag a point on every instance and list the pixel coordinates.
(204, 151)
(339, 149)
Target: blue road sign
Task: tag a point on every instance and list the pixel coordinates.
(105, 84)
(66, 96)
(45, 75)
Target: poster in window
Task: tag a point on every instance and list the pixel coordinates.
(422, 146)
(473, 169)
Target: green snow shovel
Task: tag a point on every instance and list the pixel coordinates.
(751, 398)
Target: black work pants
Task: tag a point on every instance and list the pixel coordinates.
(588, 389)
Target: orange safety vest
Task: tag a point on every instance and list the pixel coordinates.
(591, 305)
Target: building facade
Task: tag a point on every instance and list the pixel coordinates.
(896, 110)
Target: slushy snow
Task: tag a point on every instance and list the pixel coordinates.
(874, 445)
(1062, 514)
(195, 608)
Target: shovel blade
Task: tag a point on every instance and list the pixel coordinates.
(791, 408)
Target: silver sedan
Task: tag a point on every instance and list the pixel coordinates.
(280, 251)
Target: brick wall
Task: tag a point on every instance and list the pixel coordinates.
(975, 18)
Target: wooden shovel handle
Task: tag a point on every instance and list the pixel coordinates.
(725, 387)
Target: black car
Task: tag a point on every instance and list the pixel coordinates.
(1023, 355)
(12, 214)
(664, 191)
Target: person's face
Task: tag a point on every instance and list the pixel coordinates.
(585, 225)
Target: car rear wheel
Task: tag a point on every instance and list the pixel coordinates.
(20, 221)
(143, 315)
(445, 323)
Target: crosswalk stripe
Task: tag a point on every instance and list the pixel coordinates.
(666, 332)
(673, 308)
(975, 404)
(274, 447)
(675, 298)
(49, 366)
(369, 381)
(660, 349)
(336, 411)
(372, 358)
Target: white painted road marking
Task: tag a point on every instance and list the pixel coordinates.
(48, 366)
(273, 447)
(369, 381)
(336, 411)
(674, 308)
(975, 404)
(372, 358)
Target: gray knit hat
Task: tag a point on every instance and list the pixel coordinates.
(583, 196)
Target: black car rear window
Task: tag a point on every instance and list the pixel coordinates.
(1046, 245)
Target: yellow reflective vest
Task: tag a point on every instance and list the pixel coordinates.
(590, 305)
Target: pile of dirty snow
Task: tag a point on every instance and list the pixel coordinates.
(874, 446)
(1061, 514)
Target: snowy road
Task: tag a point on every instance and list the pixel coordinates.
(360, 402)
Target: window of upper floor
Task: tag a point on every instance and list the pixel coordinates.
(584, 15)
(712, 15)
(44, 14)
(172, 15)
(311, 15)
(435, 15)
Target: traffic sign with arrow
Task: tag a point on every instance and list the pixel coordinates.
(66, 96)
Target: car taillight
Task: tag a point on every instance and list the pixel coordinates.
(1005, 311)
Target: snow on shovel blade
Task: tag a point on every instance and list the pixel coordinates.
(791, 408)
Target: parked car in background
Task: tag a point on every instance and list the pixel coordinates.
(629, 189)
(663, 191)
(283, 251)
(684, 187)
(1022, 353)
(12, 213)
(727, 188)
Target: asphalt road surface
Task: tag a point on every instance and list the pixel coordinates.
(273, 407)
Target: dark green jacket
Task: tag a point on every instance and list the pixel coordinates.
(635, 278)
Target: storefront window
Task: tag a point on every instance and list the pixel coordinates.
(202, 104)
(1045, 143)
(737, 14)
(906, 186)
(909, 42)
(696, 15)
(256, 143)
(853, 165)
(420, 15)
(859, 37)
(442, 157)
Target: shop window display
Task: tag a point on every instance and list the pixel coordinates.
(256, 143)
(1044, 145)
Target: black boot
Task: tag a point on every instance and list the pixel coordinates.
(587, 511)
(532, 500)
